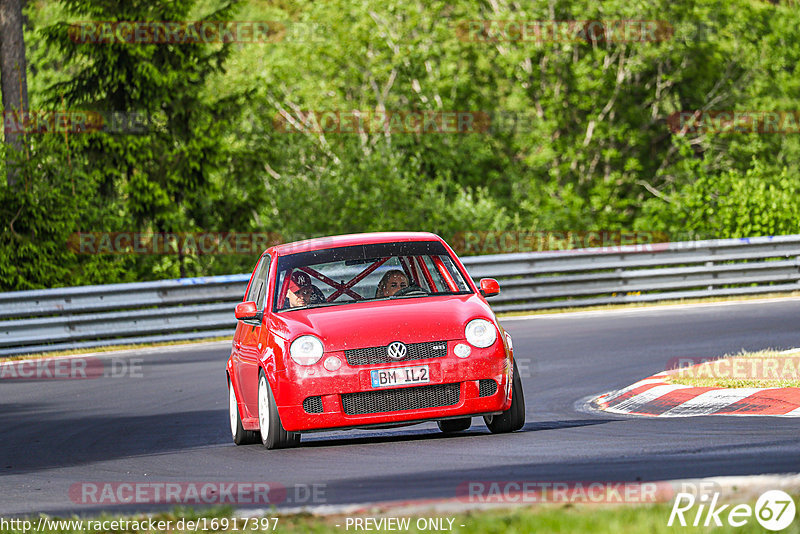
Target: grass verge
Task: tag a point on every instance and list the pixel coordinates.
(761, 369)
(542, 519)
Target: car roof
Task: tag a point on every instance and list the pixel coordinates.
(321, 243)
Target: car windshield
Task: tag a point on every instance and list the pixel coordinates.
(384, 271)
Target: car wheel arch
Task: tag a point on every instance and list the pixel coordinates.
(269, 372)
(232, 383)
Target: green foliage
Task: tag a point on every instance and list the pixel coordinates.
(40, 216)
(584, 144)
(150, 172)
(758, 202)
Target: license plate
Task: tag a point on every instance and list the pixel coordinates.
(399, 376)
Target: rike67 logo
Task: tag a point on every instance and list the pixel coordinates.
(774, 510)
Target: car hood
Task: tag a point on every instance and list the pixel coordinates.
(372, 324)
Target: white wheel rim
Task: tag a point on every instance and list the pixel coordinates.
(263, 408)
(233, 410)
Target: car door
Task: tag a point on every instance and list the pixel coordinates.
(251, 340)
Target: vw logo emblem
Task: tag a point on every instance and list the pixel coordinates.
(396, 350)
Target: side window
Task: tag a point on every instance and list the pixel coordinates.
(457, 278)
(259, 286)
(262, 280)
(441, 285)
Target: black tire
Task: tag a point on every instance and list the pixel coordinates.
(273, 435)
(240, 435)
(513, 418)
(455, 425)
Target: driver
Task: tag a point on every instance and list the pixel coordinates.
(302, 292)
(392, 282)
(306, 295)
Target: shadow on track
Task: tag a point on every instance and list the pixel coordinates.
(477, 430)
(31, 444)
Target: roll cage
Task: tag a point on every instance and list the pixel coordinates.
(414, 267)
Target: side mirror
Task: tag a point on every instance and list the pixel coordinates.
(489, 287)
(247, 311)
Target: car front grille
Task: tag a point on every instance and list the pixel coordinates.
(487, 388)
(313, 405)
(377, 355)
(392, 400)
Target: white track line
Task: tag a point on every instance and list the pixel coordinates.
(710, 402)
(793, 413)
(109, 354)
(731, 489)
(631, 404)
(644, 309)
(619, 392)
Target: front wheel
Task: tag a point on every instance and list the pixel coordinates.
(240, 435)
(513, 418)
(273, 435)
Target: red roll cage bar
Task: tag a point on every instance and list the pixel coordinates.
(412, 266)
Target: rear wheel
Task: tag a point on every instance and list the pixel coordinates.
(273, 435)
(454, 425)
(240, 435)
(513, 418)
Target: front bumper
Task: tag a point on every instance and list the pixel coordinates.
(298, 383)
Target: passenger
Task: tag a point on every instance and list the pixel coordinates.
(392, 282)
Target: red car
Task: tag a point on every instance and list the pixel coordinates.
(367, 331)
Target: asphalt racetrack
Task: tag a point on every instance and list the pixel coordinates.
(168, 421)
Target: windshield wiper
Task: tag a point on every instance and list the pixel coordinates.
(318, 305)
(437, 294)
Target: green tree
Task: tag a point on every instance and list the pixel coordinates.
(157, 170)
(585, 144)
(14, 79)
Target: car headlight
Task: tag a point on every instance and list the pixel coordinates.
(306, 350)
(480, 333)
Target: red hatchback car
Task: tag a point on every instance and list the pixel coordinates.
(367, 331)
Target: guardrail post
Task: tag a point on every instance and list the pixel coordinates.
(797, 260)
(711, 264)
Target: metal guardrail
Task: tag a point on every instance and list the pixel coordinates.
(90, 316)
(193, 308)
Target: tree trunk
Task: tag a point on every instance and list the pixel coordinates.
(13, 79)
